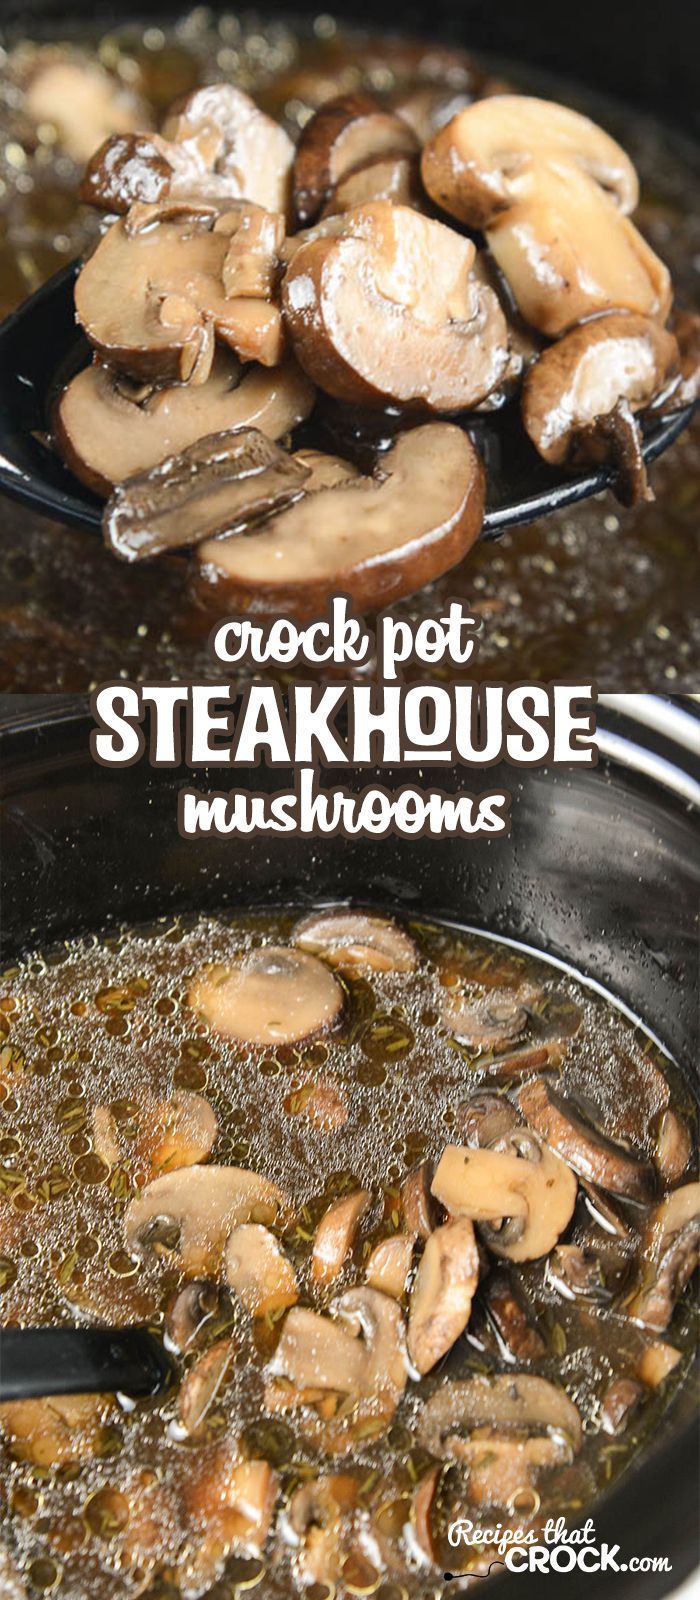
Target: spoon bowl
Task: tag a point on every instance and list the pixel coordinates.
(41, 348)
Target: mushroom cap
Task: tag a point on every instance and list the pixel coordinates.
(143, 168)
(568, 253)
(442, 1294)
(253, 150)
(272, 995)
(375, 539)
(388, 311)
(351, 939)
(258, 1271)
(488, 1023)
(590, 1153)
(345, 134)
(532, 1188)
(615, 356)
(478, 165)
(105, 437)
(201, 1206)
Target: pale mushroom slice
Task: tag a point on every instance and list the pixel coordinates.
(375, 539)
(336, 1234)
(358, 1352)
(618, 356)
(522, 1194)
(315, 1522)
(229, 1504)
(504, 1430)
(568, 253)
(252, 261)
(191, 1213)
(389, 1264)
(174, 1133)
(108, 430)
(674, 1146)
(344, 134)
(57, 1429)
(669, 1257)
(485, 1023)
(272, 995)
(480, 164)
(590, 1153)
(396, 178)
(81, 101)
(390, 311)
(222, 484)
(201, 1387)
(351, 939)
(151, 298)
(442, 1293)
(258, 1271)
(253, 150)
(657, 1362)
(420, 1212)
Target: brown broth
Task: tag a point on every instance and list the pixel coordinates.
(105, 1021)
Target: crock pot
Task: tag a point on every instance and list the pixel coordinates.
(602, 871)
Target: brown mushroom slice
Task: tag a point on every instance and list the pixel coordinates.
(253, 150)
(344, 134)
(479, 165)
(336, 1234)
(488, 1023)
(390, 311)
(389, 1264)
(518, 1340)
(251, 263)
(674, 1146)
(151, 297)
(590, 1153)
(105, 436)
(325, 472)
(316, 1354)
(620, 1401)
(57, 1429)
(272, 995)
(544, 1056)
(359, 1352)
(190, 1311)
(577, 1274)
(417, 1203)
(375, 539)
(201, 1386)
(179, 1132)
(582, 376)
(82, 102)
(525, 1188)
(314, 1520)
(421, 1515)
(229, 1504)
(191, 1213)
(486, 1118)
(670, 1254)
(350, 939)
(396, 178)
(258, 1271)
(568, 253)
(657, 1362)
(615, 440)
(144, 169)
(220, 485)
(505, 1429)
(442, 1294)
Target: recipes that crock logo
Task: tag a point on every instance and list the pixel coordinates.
(553, 1548)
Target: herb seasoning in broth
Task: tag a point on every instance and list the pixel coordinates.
(595, 588)
(355, 1172)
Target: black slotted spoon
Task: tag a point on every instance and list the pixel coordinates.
(41, 348)
(38, 1362)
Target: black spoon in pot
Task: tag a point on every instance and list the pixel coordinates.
(36, 1362)
(41, 349)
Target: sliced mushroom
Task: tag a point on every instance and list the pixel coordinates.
(390, 311)
(258, 1272)
(588, 1152)
(657, 1362)
(485, 1119)
(606, 1212)
(546, 1055)
(504, 1429)
(202, 1384)
(577, 1274)
(251, 263)
(55, 1430)
(396, 178)
(145, 169)
(523, 1192)
(272, 995)
(442, 1294)
(359, 1352)
(375, 539)
(615, 440)
(316, 1354)
(417, 1203)
(484, 160)
(582, 376)
(488, 1023)
(568, 253)
(673, 1147)
(336, 1234)
(322, 1101)
(325, 472)
(517, 1339)
(105, 1139)
(222, 484)
(620, 1401)
(421, 1514)
(252, 150)
(350, 939)
(390, 1263)
(151, 297)
(230, 1505)
(316, 1520)
(344, 134)
(169, 1134)
(670, 1254)
(191, 1213)
(81, 101)
(190, 1311)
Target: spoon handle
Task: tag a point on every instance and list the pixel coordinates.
(47, 1361)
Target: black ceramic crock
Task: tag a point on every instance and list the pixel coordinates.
(602, 871)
